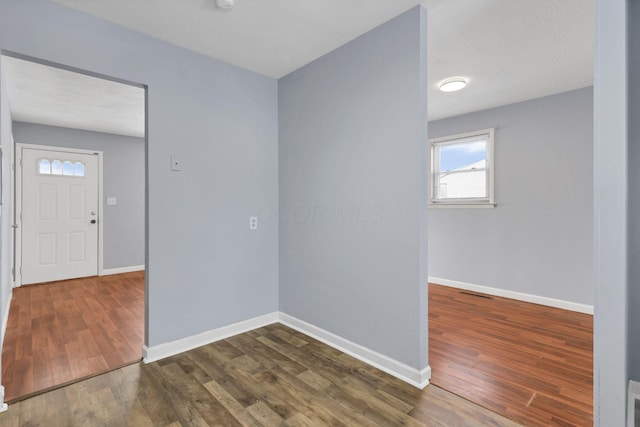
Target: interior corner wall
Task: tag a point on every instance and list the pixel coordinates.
(538, 240)
(353, 191)
(634, 190)
(123, 178)
(205, 269)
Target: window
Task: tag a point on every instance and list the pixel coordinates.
(44, 167)
(462, 169)
(78, 169)
(67, 168)
(57, 167)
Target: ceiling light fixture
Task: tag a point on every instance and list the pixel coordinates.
(453, 84)
(225, 4)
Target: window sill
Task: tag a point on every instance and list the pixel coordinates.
(462, 205)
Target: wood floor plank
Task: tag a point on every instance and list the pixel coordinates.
(169, 391)
(267, 357)
(220, 369)
(232, 405)
(314, 380)
(264, 414)
(63, 331)
(189, 389)
(321, 407)
(385, 413)
(531, 363)
(299, 420)
(151, 398)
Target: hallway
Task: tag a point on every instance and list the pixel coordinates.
(60, 332)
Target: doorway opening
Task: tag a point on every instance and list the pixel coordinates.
(510, 224)
(78, 213)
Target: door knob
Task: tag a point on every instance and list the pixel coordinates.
(93, 221)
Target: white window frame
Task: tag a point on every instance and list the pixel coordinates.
(484, 202)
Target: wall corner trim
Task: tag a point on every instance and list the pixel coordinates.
(120, 270)
(416, 378)
(160, 351)
(520, 296)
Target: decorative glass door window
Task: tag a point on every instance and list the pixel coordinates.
(60, 168)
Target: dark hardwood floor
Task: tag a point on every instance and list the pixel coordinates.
(60, 332)
(531, 363)
(272, 376)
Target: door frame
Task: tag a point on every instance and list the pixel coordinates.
(17, 225)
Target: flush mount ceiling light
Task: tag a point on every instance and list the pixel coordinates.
(453, 84)
(225, 4)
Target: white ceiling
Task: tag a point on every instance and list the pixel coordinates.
(52, 96)
(271, 37)
(510, 50)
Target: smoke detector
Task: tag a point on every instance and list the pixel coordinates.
(225, 4)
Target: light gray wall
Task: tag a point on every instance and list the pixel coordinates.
(634, 191)
(352, 191)
(123, 178)
(206, 269)
(610, 213)
(539, 238)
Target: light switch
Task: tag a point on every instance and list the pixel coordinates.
(111, 201)
(176, 163)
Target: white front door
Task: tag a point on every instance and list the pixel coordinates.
(59, 226)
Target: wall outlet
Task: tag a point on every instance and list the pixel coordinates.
(176, 163)
(111, 201)
(253, 223)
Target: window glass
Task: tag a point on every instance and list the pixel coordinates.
(56, 167)
(44, 167)
(59, 167)
(78, 169)
(462, 185)
(463, 156)
(67, 168)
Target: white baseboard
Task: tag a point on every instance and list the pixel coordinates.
(110, 271)
(550, 302)
(157, 352)
(419, 379)
(633, 395)
(3, 406)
